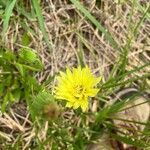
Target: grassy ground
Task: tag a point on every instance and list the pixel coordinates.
(111, 37)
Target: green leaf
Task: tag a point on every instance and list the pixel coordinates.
(6, 100)
(16, 94)
(38, 65)
(20, 68)
(4, 103)
(43, 98)
(8, 80)
(25, 39)
(9, 56)
(1, 12)
(30, 60)
(11, 97)
(34, 67)
(27, 55)
(40, 101)
(1, 89)
(31, 83)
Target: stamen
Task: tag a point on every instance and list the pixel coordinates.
(79, 92)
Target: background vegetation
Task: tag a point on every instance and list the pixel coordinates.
(40, 38)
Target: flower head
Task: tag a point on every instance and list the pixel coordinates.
(76, 87)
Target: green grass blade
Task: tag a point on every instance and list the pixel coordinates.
(124, 59)
(127, 81)
(7, 15)
(27, 28)
(142, 10)
(28, 15)
(114, 80)
(41, 22)
(108, 111)
(141, 20)
(96, 23)
(121, 65)
(134, 142)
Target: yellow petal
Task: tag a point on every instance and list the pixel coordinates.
(97, 80)
(84, 105)
(92, 92)
(69, 104)
(76, 105)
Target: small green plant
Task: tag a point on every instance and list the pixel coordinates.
(44, 106)
(16, 75)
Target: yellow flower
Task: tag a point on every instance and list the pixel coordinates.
(76, 86)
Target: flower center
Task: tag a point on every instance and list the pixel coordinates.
(79, 92)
